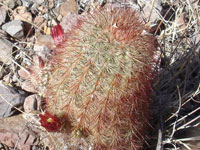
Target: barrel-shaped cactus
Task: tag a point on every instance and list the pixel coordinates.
(99, 78)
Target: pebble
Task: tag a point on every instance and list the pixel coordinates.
(7, 79)
(2, 72)
(3, 12)
(67, 7)
(3, 34)
(43, 45)
(28, 86)
(23, 74)
(42, 9)
(38, 1)
(27, 3)
(147, 6)
(5, 51)
(21, 13)
(17, 134)
(40, 22)
(51, 3)
(14, 28)
(12, 96)
(32, 102)
(13, 3)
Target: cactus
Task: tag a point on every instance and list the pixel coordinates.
(99, 78)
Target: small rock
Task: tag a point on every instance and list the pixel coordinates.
(43, 45)
(15, 78)
(59, 18)
(12, 96)
(3, 12)
(3, 34)
(32, 102)
(24, 74)
(7, 138)
(16, 133)
(46, 40)
(2, 72)
(27, 3)
(26, 140)
(43, 9)
(147, 6)
(38, 1)
(14, 28)
(28, 86)
(39, 20)
(5, 51)
(70, 6)
(51, 3)
(21, 13)
(7, 79)
(13, 3)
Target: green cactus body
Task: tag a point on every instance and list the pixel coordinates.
(100, 79)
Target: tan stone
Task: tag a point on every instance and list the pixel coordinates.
(31, 103)
(70, 6)
(20, 13)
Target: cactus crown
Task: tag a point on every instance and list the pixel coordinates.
(100, 78)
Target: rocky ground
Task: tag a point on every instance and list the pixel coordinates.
(24, 29)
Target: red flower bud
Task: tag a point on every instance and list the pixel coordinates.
(57, 34)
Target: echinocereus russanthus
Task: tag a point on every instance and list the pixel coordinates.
(99, 78)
